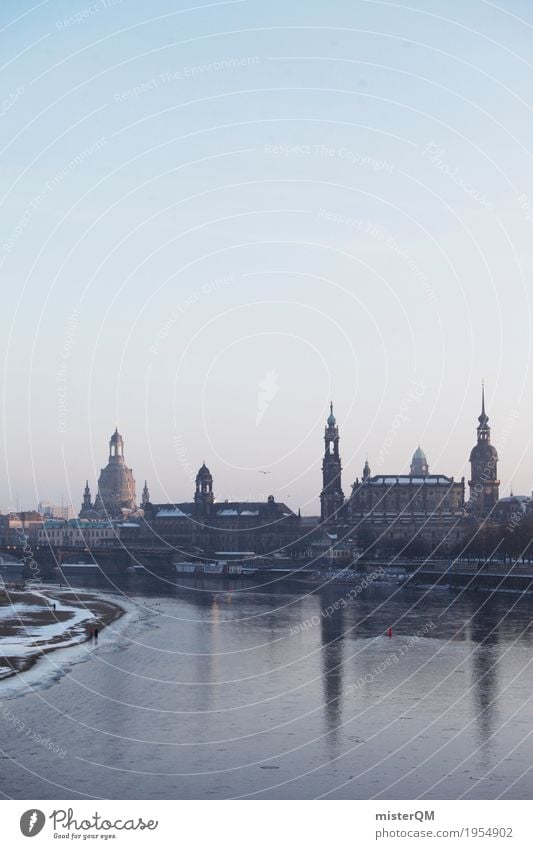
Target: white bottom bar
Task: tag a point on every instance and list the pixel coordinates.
(268, 824)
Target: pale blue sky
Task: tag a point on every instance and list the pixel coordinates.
(215, 219)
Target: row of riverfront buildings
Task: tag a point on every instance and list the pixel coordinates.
(202, 524)
(418, 510)
(426, 510)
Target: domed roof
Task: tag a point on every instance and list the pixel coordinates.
(203, 471)
(419, 463)
(332, 421)
(116, 436)
(419, 456)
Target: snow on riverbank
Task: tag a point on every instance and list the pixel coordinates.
(38, 621)
(52, 665)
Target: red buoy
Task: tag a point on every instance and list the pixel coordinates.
(389, 633)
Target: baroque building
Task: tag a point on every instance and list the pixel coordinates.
(218, 527)
(415, 512)
(418, 509)
(115, 497)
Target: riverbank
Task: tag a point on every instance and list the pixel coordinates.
(34, 622)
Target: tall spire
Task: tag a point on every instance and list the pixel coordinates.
(332, 496)
(145, 495)
(87, 499)
(483, 418)
(484, 483)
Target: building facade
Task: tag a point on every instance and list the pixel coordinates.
(16, 528)
(78, 533)
(48, 510)
(416, 512)
(204, 524)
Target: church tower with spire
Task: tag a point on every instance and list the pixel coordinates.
(87, 503)
(145, 498)
(204, 497)
(332, 496)
(484, 484)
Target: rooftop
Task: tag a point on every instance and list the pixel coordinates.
(409, 480)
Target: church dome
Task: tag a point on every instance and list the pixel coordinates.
(332, 421)
(419, 463)
(203, 472)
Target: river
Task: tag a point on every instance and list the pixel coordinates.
(210, 690)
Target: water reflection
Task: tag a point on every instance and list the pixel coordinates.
(484, 630)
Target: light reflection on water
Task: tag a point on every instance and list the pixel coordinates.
(218, 691)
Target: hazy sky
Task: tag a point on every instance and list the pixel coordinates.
(216, 218)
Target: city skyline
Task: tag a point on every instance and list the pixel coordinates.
(382, 464)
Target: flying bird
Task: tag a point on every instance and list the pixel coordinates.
(261, 472)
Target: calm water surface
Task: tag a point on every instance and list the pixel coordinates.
(210, 691)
